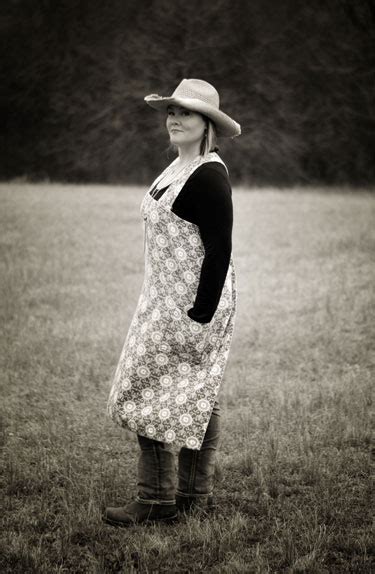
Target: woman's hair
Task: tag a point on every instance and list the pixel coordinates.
(209, 138)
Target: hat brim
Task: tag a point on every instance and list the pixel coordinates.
(225, 126)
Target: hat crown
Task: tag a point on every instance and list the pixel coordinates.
(198, 90)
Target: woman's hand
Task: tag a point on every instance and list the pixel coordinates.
(195, 335)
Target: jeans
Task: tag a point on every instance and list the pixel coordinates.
(196, 468)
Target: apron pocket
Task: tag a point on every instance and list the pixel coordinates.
(195, 334)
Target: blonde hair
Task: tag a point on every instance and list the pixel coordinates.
(209, 139)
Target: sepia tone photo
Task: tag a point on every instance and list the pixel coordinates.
(187, 304)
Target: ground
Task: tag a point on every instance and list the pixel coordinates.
(293, 474)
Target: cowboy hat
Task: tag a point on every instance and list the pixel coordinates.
(198, 96)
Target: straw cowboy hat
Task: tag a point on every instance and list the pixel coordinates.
(198, 96)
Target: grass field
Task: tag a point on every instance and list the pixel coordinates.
(293, 476)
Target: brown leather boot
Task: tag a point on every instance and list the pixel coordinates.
(137, 512)
(196, 471)
(189, 504)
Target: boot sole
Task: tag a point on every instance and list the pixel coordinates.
(198, 512)
(165, 520)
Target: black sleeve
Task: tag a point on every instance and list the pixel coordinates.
(206, 200)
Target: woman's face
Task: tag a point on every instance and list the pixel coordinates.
(184, 126)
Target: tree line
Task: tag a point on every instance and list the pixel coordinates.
(298, 77)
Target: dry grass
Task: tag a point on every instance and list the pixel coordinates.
(293, 477)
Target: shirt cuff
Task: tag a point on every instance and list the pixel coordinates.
(201, 318)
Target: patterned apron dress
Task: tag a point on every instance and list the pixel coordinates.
(171, 367)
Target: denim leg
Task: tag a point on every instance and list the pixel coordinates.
(196, 468)
(156, 472)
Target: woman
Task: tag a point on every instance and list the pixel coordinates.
(172, 363)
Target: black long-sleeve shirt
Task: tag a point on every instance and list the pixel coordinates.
(206, 200)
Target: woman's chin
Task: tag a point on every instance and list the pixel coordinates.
(174, 139)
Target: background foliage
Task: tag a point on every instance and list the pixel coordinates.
(298, 76)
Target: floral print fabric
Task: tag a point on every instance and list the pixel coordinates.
(171, 366)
